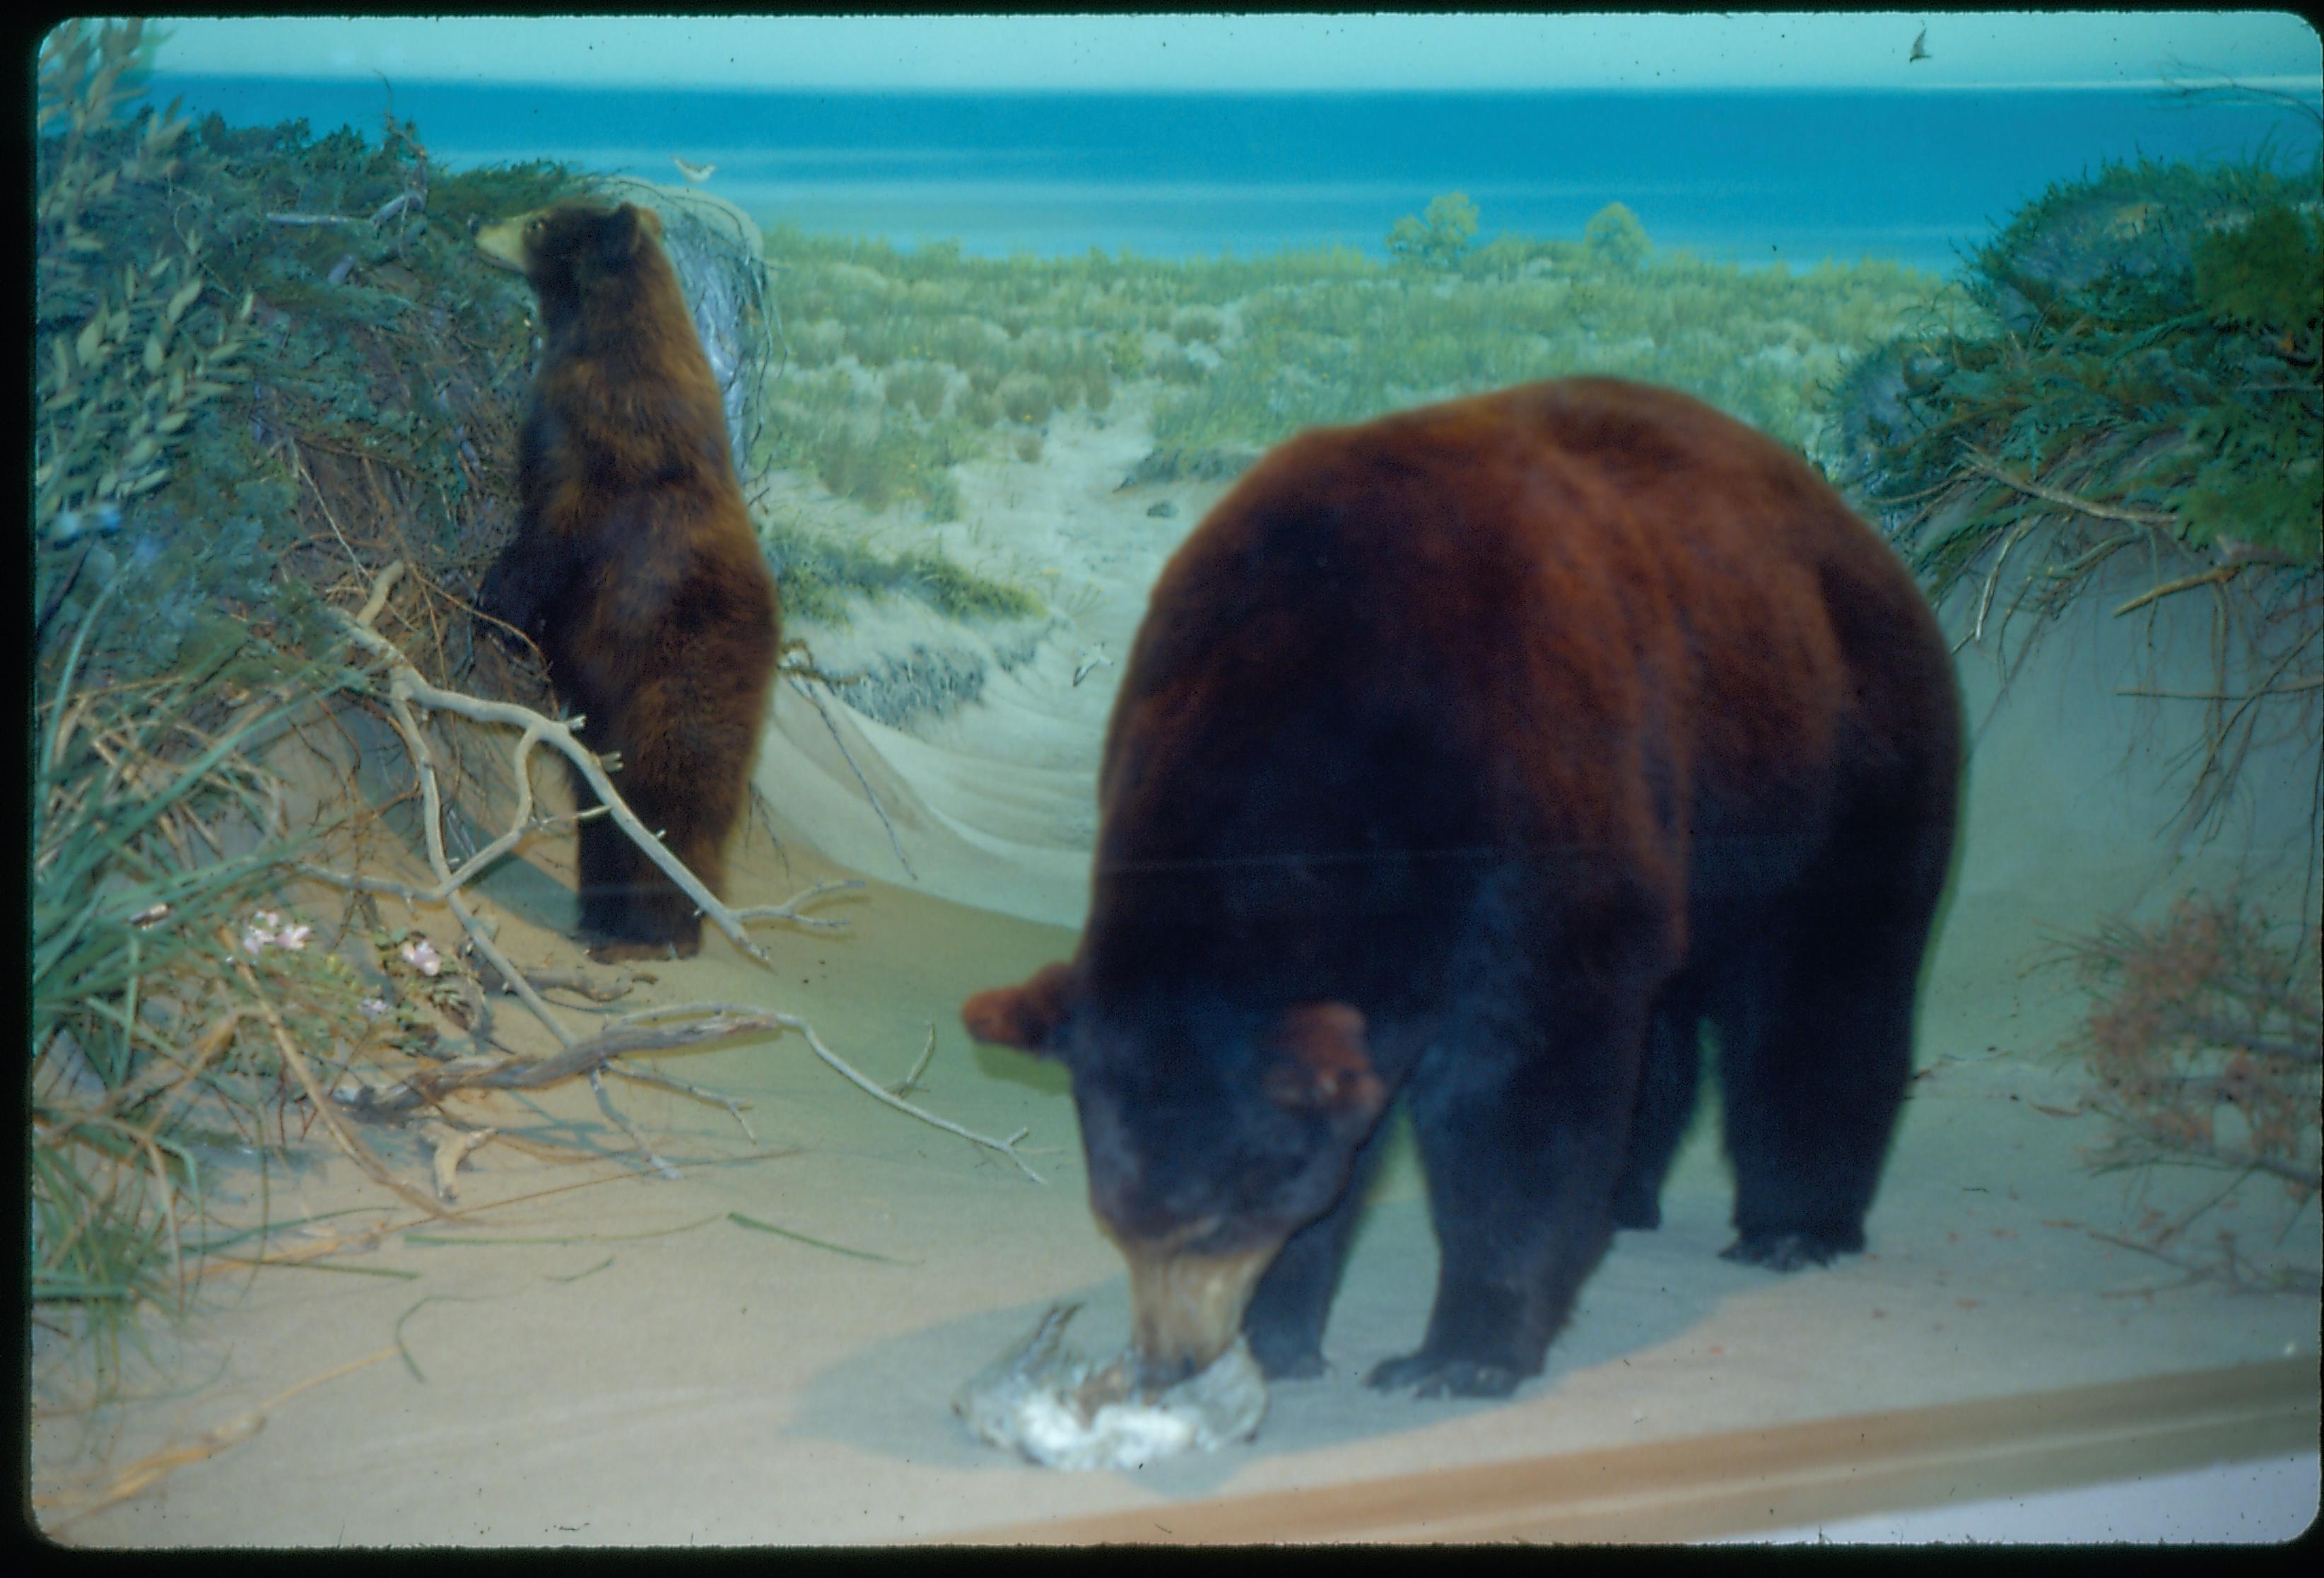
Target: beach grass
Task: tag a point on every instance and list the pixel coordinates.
(903, 362)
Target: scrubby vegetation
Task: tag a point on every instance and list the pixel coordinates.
(2202, 1048)
(2150, 344)
(265, 364)
(1439, 237)
(820, 571)
(1764, 344)
(2139, 393)
(904, 363)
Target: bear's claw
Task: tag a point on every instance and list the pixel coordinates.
(1789, 1251)
(1432, 1375)
(1290, 1363)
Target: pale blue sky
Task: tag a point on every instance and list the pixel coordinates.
(1700, 50)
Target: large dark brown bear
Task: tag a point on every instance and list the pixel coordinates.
(634, 565)
(1471, 759)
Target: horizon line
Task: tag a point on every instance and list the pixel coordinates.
(2212, 84)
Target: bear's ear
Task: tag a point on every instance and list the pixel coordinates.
(1319, 1065)
(1025, 1017)
(624, 230)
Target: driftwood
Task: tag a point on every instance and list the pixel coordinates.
(594, 1056)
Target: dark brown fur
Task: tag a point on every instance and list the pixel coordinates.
(634, 564)
(1527, 733)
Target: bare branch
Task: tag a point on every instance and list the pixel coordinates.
(633, 1032)
(699, 1092)
(406, 688)
(864, 784)
(2212, 576)
(324, 1108)
(1984, 463)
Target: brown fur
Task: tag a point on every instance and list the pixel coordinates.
(1471, 759)
(634, 564)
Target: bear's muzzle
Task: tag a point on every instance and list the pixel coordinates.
(1186, 1309)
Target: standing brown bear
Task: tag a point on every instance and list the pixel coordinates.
(634, 566)
(1471, 759)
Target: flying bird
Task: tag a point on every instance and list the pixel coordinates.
(696, 173)
(1920, 48)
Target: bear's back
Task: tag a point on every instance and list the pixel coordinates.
(1529, 618)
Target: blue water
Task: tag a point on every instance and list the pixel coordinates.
(1753, 177)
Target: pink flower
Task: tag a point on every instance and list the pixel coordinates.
(266, 929)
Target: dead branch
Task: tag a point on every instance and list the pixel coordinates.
(863, 782)
(582, 1057)
(668, 1082)
(910, 1081)
(847, 1071)
(636, 1032)
(1007, 1148)
(2216, 575)
(406, 688)
(2220, 1033)
(788, 908)
(632, 1032)
(296, 1062)
(654, 1159)
(2170, 1146)
(2227, 1269)
(547, 978)
(151, 1470)
(2312, 682)
(1985, 465)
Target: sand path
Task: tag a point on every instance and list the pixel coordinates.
(994, 805)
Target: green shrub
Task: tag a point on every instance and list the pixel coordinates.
(1125, 352)
(1616, 239)
(819, 574)
(2266, 274)
(819, 344)
(979, 408)
(1096, 386)
(1176, 366)
(877, 342)
(1197, 326)
(1439, 237)
(1026, 397)
(921, 385)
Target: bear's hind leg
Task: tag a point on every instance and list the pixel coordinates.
(606, 869)
(662, 914)
(1815, 1049)
(624, 912)
(690, 781)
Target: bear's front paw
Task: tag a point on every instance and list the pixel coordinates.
(1287, 1360)
(1791, 1250)
(626, 950)
(1435, 1375)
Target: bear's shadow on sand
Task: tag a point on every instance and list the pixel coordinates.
(895, 1397)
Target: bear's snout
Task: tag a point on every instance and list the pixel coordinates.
(1185, 1309)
